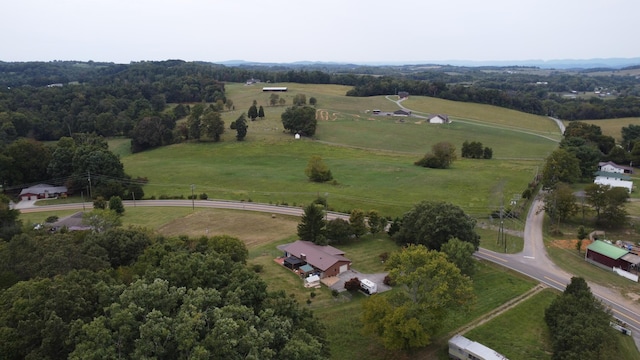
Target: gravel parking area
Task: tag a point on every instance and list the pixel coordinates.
(377, 278)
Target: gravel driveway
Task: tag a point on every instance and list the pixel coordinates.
(377, 278)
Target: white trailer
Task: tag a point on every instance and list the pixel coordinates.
(368, 286)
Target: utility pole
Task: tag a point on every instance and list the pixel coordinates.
(89, 179)
(193, 201)
(133, 195)
(82, 195)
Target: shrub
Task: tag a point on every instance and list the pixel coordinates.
(313, 294)
(388, 281)
(203, 196)
(352, 285)
(334, 293)
(257, 268)
(51, 219)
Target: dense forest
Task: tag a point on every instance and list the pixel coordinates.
(130, 294)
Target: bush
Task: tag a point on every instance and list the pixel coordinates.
(203, 196)
(257, 268)
(313, 294)
(51, 219)
(388, 281)
(352, 285)
(334, 293)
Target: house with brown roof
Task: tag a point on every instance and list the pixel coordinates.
(324, 261)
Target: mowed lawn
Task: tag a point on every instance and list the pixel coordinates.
(274, 173)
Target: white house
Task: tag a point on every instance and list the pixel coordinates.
(439, 119)
(614, 179)
(612, 167)
(42, 191)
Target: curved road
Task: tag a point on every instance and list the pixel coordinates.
(532, 261)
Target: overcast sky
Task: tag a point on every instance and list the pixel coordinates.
(357, 31)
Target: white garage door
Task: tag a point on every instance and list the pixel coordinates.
(344, 268)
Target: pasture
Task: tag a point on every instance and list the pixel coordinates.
(371, 158)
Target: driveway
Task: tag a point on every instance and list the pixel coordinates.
(377, 278)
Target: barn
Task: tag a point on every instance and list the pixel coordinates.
(609, 256)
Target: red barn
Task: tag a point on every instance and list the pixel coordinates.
(610, 256)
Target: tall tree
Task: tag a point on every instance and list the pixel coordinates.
(339, 231)
(560, 166)
(253, 112)
(212, 125)
(240, 126)
(432, 224)
(430, 288)
(560, 202)
(579, 324)
(461, 254)
(312, 225)
(609, 203)
(261, 112)
(115, 204)
(300, 119)
(358, 222)
(376, 222)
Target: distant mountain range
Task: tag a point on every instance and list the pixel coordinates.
(610, 63)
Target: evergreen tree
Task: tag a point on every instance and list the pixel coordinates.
(312, 225)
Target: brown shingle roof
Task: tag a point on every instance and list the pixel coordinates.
(322, 257)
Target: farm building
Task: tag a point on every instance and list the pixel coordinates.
(275, 88)
(403, 94)
(439, 119)
(612, 167)
(402, 113)
(462, 348)
(309, 258)
(42, 191)
(609, 256)
(613, 179)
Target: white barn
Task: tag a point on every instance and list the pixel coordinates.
(614, 179)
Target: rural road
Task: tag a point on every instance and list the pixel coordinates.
(533, 261)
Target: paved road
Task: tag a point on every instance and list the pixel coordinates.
(533, 261)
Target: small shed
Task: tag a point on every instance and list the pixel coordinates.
(401, 112)
(312, 281)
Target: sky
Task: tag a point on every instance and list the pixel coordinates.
(354, 31)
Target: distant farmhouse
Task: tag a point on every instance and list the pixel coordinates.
(612, 167)
(403, 94)
(439, 119)
(274, 88)
(43, 191)
(614, 175)
(252, 81)
(402, 112)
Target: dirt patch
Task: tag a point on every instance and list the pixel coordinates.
(322, 115)
(570, 244)
(253, 228)
(633, 296)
